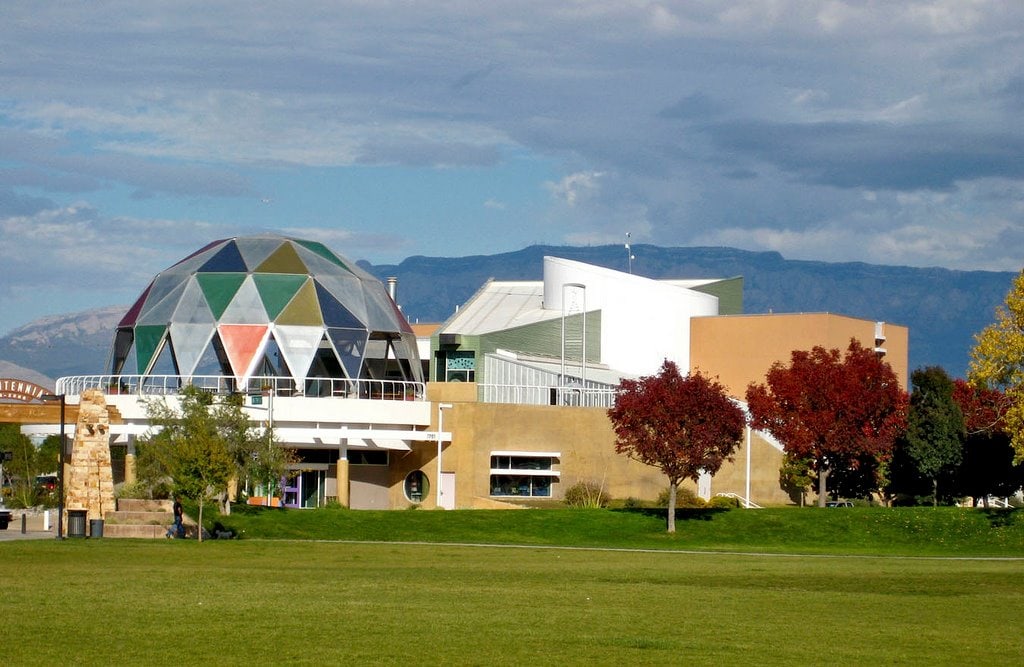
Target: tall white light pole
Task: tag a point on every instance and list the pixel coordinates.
(441, 407)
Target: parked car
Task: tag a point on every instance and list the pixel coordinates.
(839, 503)
(5, 515)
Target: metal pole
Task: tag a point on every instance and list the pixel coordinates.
(60, 474)
(441, 407)
(746, 500)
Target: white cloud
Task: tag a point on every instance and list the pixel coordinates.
(576, 188)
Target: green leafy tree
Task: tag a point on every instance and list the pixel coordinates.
(997, 362)
(684, 426)
(795, 477)
(256, 453)
(191, 447)
(833, 410)
(23, 467)
(935, 435)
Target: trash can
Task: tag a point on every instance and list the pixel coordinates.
(95, 527)
(76, 522)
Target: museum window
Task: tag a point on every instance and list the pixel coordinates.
(460, 366)
(523, 474)
(368, 457)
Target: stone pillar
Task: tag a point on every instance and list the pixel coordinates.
(89, 479)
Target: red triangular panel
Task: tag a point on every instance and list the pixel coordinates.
(241, 343)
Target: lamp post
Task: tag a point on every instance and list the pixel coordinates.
(441, 407)
(60, 463)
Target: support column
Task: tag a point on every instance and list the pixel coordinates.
(342, 476)
(129, 461)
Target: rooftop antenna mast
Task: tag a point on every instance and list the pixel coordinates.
(629, 254)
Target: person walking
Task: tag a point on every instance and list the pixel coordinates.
(178, 529)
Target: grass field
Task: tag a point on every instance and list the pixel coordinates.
(264, 602)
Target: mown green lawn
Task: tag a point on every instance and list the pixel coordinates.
(816, 587)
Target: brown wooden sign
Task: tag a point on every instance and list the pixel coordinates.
(21, 390)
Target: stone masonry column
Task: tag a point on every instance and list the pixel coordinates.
(89, 478)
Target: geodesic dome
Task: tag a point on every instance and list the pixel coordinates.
(266, 306)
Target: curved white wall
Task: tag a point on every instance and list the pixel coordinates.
(643, 321)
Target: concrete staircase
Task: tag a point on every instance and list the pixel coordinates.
(139, 518)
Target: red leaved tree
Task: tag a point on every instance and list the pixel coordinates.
(831, 409)
(684, 426)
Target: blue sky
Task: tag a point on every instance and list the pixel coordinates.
(133, 133)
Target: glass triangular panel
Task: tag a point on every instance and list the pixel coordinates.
(335, 314)
(189, 341)
(256, 249)
(299, 346)
(349, 345)
(246, 307)
(162, 312)
(192, 306)
(348, 290)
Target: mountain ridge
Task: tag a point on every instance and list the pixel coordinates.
(943, 308)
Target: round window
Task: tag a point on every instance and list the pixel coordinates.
(416, 486)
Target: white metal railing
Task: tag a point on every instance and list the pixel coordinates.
(587, 397)
(747, 503)
(170, 385)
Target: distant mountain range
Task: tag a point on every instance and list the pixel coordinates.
(942, 308)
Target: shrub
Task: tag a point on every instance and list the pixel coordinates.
(724, 502)
(585, 495)
(685, 497)
(134, 489)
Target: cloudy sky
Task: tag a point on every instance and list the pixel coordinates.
(131, 133)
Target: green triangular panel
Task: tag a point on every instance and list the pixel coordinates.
(276, 290)
(304, 309)
(284, 260)
(323, 251)
(219, 289)
(147, 343)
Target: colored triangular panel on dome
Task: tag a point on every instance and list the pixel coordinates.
(334, 313)
(298, 345)
(148, 340)
(256, 249)
(219, 289)
(283, 260)
(277, 289)
(348, 290)
(189, 342)
(226, 261)
(132, 315)
(192, 305)
(242, 343)
(246, 307)
(323, 251)
(304, 308)
(349, 344)
(162, 311)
